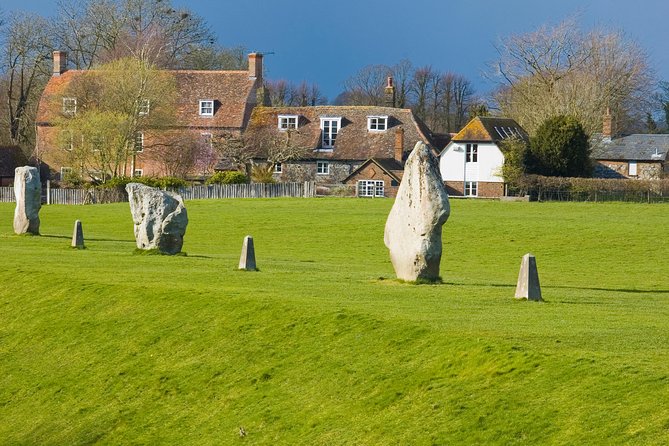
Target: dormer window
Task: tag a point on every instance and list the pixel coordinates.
(144, 106)
(329, 129)
(70, 106)
(377, 123)
(287, 122)
(207, 107)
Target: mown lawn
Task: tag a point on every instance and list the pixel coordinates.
(323, 346)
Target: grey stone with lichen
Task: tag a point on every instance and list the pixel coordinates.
(160, 218)
(413, 229)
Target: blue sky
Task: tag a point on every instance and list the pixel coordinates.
(326, 42)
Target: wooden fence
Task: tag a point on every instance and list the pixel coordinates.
(214, 191)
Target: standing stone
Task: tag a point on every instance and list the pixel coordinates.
(160, 218)
(78, 235)
(413, 228)
(247, 261)
(28, 192)
(528, 279)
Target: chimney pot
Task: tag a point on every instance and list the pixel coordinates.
(390, 93)
(59, 62)
(399, 145)
(255, 66)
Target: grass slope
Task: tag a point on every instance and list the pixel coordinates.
(323, 346)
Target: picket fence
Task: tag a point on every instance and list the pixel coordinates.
(214, 191)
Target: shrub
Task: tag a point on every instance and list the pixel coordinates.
(560, 147)
(263, 173)
(230, 177)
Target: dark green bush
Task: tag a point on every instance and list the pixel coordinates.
(230, 177)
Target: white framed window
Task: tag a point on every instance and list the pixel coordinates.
(471, 188)
(139, 142)
(377, 123)
(322, 168)
(64, 171)
(144, 107)
(70, 106)
(370, 188)
(278, 168)
(138, 173)
(631, 169)
(287, 122)
(329, 129)
(472, 153)
(207, 107)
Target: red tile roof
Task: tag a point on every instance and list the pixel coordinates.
(233, 93)
(353, 142)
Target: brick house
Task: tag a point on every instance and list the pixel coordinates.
(363, 146)
(640, 156)
(471, 164)
(209, 104)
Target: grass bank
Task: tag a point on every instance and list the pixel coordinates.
(322, 346)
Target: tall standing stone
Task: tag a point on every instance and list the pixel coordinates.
(78, 235)
(413, 229)
(528, 279)
(247, 261)
(160, 218)
(28, 192)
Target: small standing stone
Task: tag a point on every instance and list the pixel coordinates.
(247, 261)
(78, 236)
(28, 193)
(528, 279)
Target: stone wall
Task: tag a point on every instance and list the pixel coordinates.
(620, 169)
(298, 171)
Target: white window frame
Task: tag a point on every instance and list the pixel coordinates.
(138, 142)
(471, 189)
(138, 173)
(206, 107)
(329, 131)
(322, 168)
(144, 107)
(632, 170)
(371, 188)
(70, 137)
(287, 122)
(278, 168)
(64, 171)
(70, 106)
(377, 123)
(472, 153)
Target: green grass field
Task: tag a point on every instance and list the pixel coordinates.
(323, 346)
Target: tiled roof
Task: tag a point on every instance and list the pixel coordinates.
(389, 165)
(487, 129)
(233, 94)
(633, 147)
(353, 142)
(11, 157)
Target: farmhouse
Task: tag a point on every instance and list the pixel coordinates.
(471, 164)
(209, 104)
(359, 145)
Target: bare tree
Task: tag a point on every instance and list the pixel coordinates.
(284, 93)
(561, 70)
(25, 68)
(367, 86)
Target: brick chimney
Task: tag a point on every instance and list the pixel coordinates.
(255, 66)
(390, 93)
(607, 127)
(399, 145)
(59, 62)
